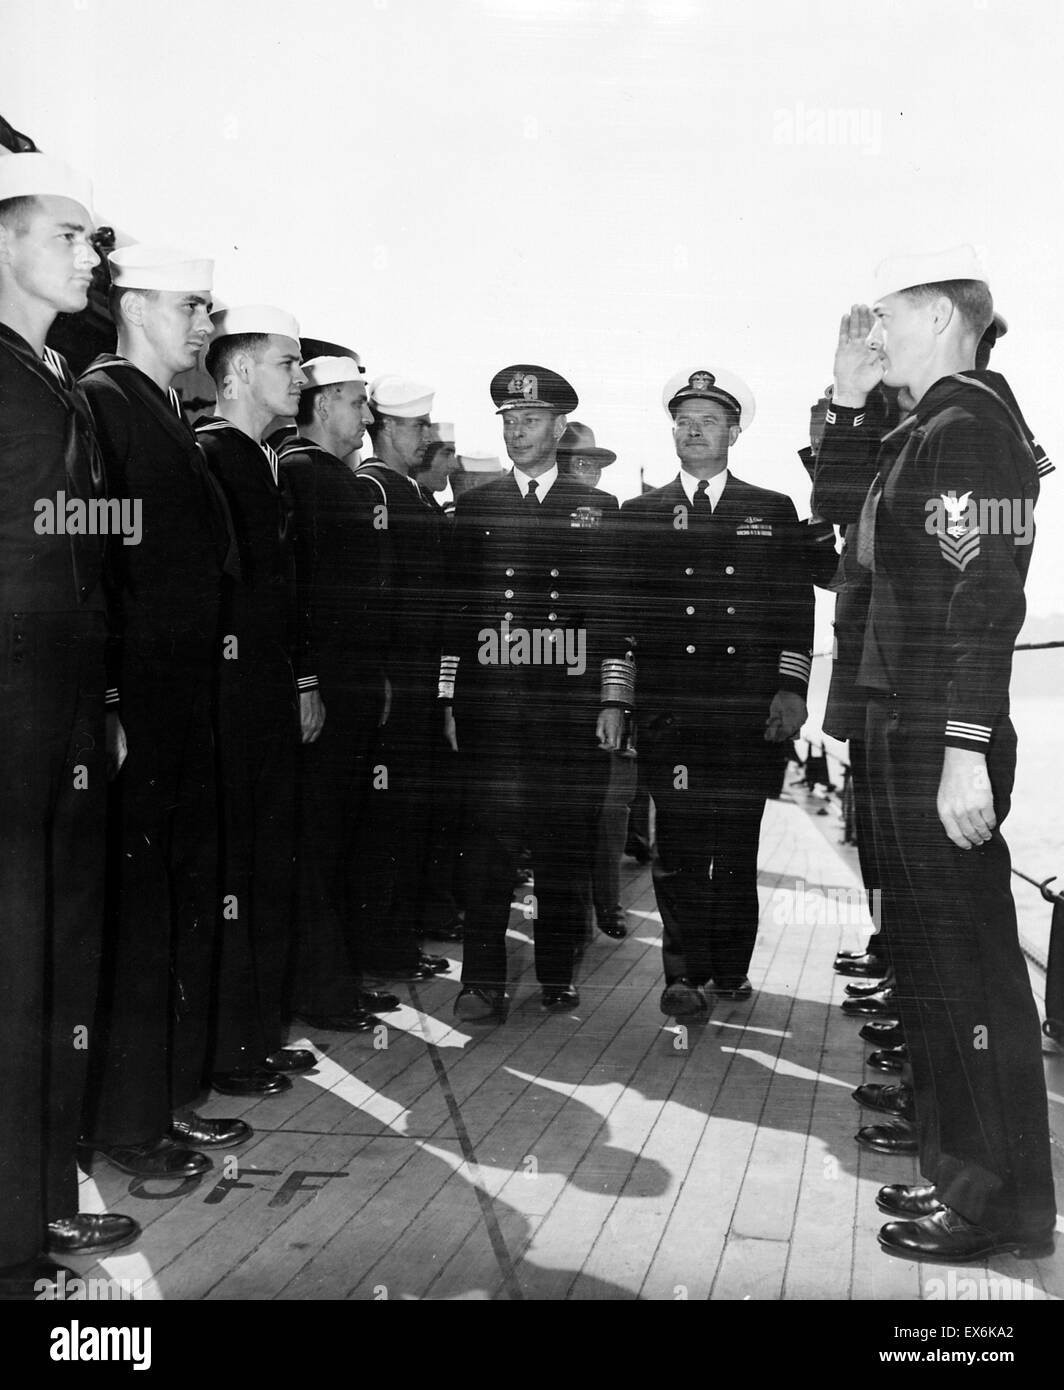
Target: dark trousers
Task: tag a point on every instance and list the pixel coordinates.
(163, 907)
(258, 725)
(396, 830)
(878, 886)
(709, 782)
(52, 796)
(962, 985)
(610, 833)
(533, 780)
(334, 775)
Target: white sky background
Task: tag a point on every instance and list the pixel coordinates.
(614, 188)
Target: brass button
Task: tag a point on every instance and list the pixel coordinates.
(689, 570)
(554, 574)
(554, 593)
(731, 610)
(552, 617)
(508, 594)
(690, 650)
(729, 569)
(731, 651)
(507, 616)
(690, 610)
(509, 574)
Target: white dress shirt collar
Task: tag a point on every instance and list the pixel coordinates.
(544, 482)
(713, 491)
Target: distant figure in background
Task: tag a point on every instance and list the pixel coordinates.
(581, 458)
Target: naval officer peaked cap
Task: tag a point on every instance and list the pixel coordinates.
(36, 175)
(330, 371)
(254, 318)
(143, 267)
(898, 273)
(705, 385)
(524, 385)
(399, 396)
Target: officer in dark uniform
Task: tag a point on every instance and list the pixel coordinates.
(165, 904)
(395, 847)
(254, 360)
(947, 531)
(530, 577)
(581, 458)
(342, 560)
(722, 607)
(52, 770)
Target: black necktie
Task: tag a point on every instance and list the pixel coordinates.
(702, 505)
(531, 500)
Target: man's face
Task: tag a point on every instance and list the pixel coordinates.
(176, 324)
(531, 436)
(703, 431)
(51, 258)
(435, 477)
(275, 376)
(585, 470)
(347, 415)
(410, 438)
(902, 337)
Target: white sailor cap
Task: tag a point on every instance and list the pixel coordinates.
(898, 273)
(480, 462)
(34, 175)
(719, 385)
(254, 318)
(330, 371)
(398, 395)
(144, 267)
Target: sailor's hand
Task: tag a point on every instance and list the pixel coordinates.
(311, 714)
(858, 369)
(610, 728)
(786, 715)
(966, 798)
(450, 731)
(115, 740)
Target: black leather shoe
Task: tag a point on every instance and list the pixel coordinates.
(882, 1034)
(613, 923)
(878, 1005)
(739, 989)
(888, 1100)
(378, 1001)
(250, 1081)
(294, 1060)
(90, 1233)
(891, 1059)
(891, 1137)
(560, 997)
(862, 991)
(482, 1005)
(436, 965)
(357, 1021)
(156, 1158)
(859, 963)
(200, 1133)
(947, 1238)
(684, 999)
(908, 1200)
(39, 1278)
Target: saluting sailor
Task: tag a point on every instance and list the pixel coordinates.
(254, 360)
(722, 609)
(530, 579)
(154, 1010)
(52, 770)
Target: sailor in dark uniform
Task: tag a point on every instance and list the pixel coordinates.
(342, 560)
(254, 360)
(164, 900)
(395, 846)
(52, 769)
(722, 607)
(531, 576)
(946, 531)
